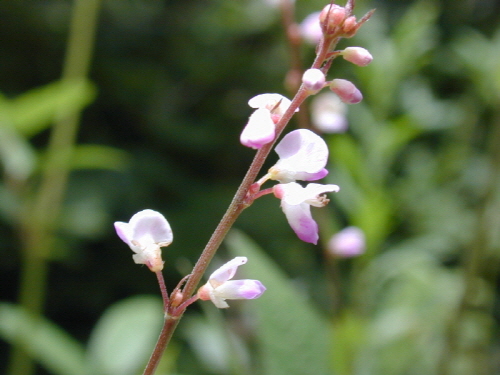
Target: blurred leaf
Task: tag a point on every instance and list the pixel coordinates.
(16, 154)
(124, 337)
(294, 338)
(51, 346)
(32, 112)
(99, 157)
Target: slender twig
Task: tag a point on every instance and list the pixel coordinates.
(163, 289)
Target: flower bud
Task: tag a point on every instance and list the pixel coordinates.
(357, 55)
(313, 80)
(346, 91)
(350, 26)
(331, 18)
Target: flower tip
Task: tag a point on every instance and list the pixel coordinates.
(313, 80)
(357, 55)
(346, 91)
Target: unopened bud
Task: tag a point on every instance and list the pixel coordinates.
(176, 298)
(357, 55)
(350, 26)
(346, 91)
(313, 80)
(331, 18)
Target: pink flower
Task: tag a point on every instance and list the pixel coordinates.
(357, 55)
(296, 202)
(219, 286)
(349, 242)
(303, 156)
(145, 233)
(260, 129)
(346, 91)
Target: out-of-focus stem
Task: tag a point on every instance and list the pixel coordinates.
(473, 269)
(40, 218)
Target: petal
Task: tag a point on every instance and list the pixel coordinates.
(260, 129)
(299, 151)
(304, 176)
(150, 226)
(240, 289)
(125, 232)
(313, 191)
(151, 257)
(270, 101)
(226, 272)
(300, 219)
(217, 300)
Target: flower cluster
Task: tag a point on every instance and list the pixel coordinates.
(302, 157)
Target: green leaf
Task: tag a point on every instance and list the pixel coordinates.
(124, 337)
(34, 111)
(47, 343)
(294, 338)
(99, 157)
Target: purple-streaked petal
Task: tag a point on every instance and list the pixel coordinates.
(300, 219)
(226, 271)
(124, 231)
(240, 289)
(304, 176)
(260, 129)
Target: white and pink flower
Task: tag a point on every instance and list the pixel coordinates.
(296, 202)
(220, 286)
(261, 126)
(145, 233)
(303, 156)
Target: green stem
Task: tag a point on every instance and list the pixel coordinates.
(39, 219)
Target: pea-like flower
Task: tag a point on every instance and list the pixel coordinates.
(303, 156)
(220, 286)
(296, 202)
(261, 126)
(145, 233)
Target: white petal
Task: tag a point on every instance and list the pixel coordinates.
(226, 272)
(149, 227)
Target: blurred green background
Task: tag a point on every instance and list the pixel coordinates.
(154, 113)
